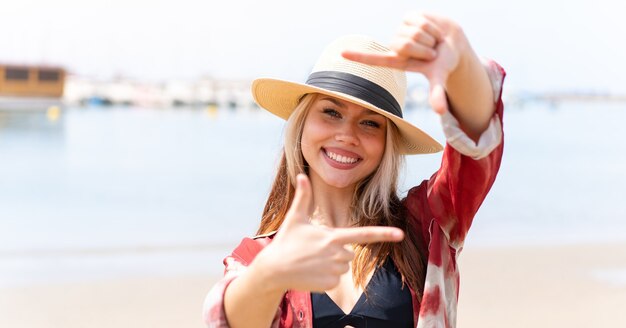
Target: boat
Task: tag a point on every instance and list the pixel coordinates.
(31, 87)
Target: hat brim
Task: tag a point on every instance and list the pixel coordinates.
(281, 97)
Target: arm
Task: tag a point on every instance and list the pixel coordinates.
(470, 93)
(467, 95)
(452, 196)
(220, 306)
(254, 294)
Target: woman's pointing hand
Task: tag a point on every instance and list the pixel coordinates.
(304, 256)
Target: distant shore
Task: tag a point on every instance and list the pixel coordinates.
(561, 286)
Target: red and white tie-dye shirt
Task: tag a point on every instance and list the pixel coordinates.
(443, 207)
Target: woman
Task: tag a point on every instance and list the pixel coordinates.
(336, 246)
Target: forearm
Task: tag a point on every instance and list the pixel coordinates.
(251, 300)
(457, 190)
(470, 94)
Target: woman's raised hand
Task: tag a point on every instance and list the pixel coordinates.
(304, 256)
(428, 44)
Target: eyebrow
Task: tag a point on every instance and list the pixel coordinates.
(371, 112)
(335, 101)
(342, 105)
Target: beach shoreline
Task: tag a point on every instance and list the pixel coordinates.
(532, 286)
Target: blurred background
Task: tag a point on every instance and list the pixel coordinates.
(133, 158)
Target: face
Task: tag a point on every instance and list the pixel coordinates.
(343, 143)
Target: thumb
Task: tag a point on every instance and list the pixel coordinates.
(300, 208)
(437, 96)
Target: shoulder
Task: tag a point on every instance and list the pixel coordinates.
(416, 197)
(249, 247)
(268, 235)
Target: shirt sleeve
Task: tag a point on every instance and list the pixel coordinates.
(213, 311)
(491, 137)
(452, 196)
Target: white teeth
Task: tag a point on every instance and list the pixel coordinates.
(341, 159)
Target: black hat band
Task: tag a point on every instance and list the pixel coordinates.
(357, 87)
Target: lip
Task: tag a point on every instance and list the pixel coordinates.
(342, 152)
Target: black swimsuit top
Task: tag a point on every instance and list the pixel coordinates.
(387, 304)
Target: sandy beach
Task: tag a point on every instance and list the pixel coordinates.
(564, 286)
(560, 286)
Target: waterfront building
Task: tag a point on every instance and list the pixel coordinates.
(30, 86)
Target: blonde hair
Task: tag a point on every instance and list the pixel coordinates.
(375, 203)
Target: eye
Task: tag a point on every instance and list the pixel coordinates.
(331, 112)
(371, 123)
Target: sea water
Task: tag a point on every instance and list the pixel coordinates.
(101, 193)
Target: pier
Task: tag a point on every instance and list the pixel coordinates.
(81, 91)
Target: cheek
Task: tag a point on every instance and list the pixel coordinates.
(312, 131)
(306, 135)
(379, 154)
(377, 147)
(307, 142)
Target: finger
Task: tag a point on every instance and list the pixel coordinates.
(377, 59)
(407, 48)
(428, 23)
(367, 235)
(439, 22)
(300, 208)
(415, 65)
(387, 60)
(344, 255)
(418, 35)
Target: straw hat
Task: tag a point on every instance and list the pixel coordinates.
(377, 88)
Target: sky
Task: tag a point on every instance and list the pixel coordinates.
(545, 45)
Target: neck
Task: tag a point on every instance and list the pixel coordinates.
(332, 205)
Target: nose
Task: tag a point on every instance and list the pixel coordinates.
(347, 134)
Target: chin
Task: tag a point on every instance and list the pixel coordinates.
(340, 182)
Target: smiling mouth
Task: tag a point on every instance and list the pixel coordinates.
(340, 158)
